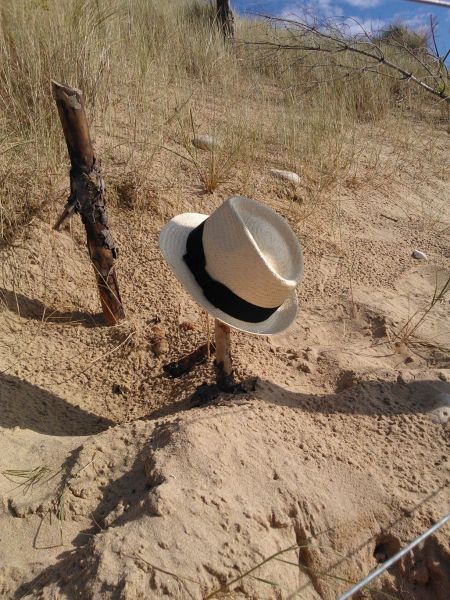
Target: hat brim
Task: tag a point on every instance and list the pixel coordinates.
(172, 242)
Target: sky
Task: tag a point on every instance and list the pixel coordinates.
(372, 14)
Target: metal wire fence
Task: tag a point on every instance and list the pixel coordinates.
(388, 564)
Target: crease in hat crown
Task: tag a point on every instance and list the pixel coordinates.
(253, 251)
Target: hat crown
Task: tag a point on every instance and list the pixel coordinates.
(253, 251)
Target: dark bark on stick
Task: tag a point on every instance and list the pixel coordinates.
(87, 197)
(225, 18)
(186, 363)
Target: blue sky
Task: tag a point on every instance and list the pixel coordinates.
(373, 14)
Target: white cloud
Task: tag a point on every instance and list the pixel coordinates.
(356, 27)
(324, 8)
(327, 11)
(319, 8)
(327, 7)
(419, 21)
(364, 3)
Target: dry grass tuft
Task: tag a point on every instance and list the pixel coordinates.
(409, 333)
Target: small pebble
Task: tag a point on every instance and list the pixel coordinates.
(158, 342)
(419, 255)
(304, 366)
(441, 414)
(285, 175)
(205, 142)
(420, 575)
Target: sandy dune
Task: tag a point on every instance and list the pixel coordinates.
(341, 452)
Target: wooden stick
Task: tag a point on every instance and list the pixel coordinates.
(88, 198)
(223, 367)
(208, 335)
(388, 217)
(223, 364)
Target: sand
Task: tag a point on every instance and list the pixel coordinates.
(338, 458)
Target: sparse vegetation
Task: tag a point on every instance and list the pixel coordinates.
(213, 166)
(400, 34)
(144, 65)
(226, 590)
(409, 332)
(28, 478)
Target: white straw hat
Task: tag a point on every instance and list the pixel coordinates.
(242, 264)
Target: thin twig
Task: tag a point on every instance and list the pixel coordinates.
(161, 570)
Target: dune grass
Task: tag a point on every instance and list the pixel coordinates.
(144, 65)
(27, 479)
(409, 332)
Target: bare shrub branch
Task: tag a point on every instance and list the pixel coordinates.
(312, 35)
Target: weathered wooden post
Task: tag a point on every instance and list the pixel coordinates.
(225, 18)
(87, 197)
(223, 365)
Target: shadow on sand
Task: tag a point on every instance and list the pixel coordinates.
(28, 406)
(32, 308)
(366, 398)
